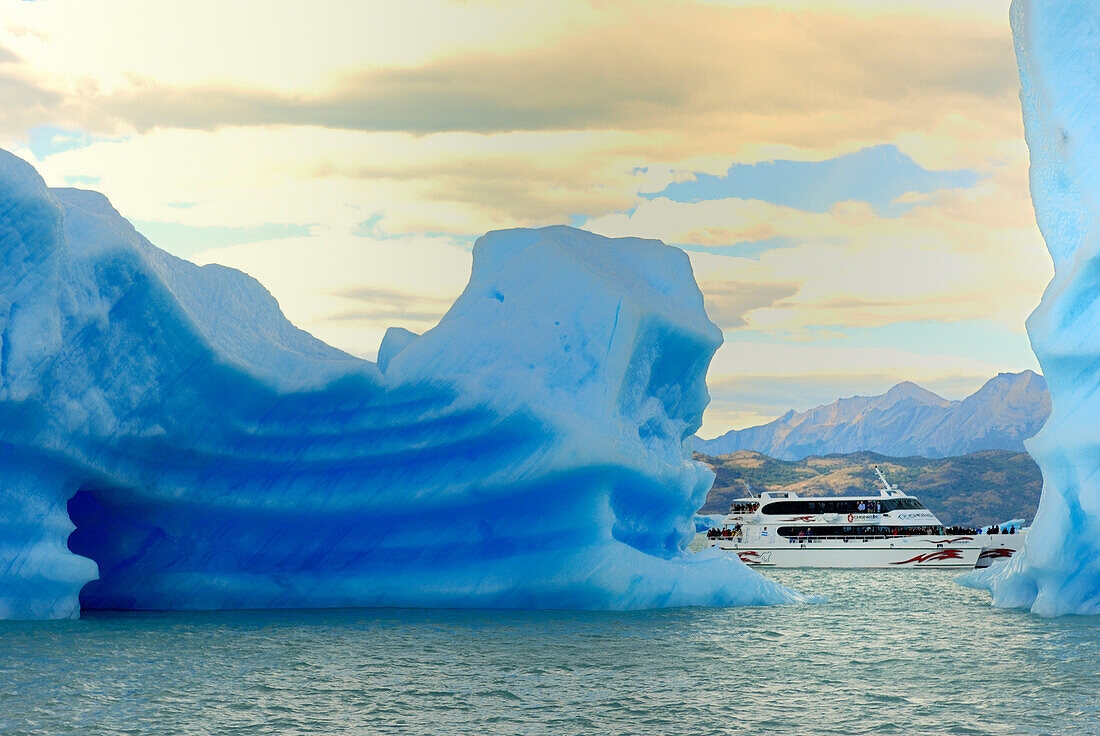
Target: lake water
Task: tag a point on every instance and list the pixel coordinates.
(889, 652)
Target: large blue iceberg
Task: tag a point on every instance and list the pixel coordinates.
(1058, 52)
(168, 440)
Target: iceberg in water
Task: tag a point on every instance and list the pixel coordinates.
(1058, 51)
(168, 440)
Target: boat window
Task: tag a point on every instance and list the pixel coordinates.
(797, 532)
(895, 504)
(841, 506)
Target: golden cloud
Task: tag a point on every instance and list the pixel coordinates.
(742, 73)
(728, 303)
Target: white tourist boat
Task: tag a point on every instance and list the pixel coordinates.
(888, 530)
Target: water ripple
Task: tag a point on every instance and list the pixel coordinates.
(888, 652)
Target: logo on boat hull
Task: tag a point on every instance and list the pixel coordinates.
(940, 554)
(755, 558)
(994, 554)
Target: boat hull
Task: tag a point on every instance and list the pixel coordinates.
(999, 548)
(929, 552)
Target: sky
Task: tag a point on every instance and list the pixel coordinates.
(848, 177)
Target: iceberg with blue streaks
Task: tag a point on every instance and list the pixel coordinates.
(1058, 53)
(168, 440)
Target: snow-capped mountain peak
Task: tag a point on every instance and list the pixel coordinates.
(906, 420)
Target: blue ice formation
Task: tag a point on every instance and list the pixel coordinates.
(168, 440)
(703, 522)
(1058, 52)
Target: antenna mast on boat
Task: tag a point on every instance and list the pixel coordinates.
(886, 484)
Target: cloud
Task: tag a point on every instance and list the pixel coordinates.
(597, 91)
(511, 186)
(391, 305)
(725, 242)
(853, 267)
(25, 103)
(19, 31)
(747, 74)
(377, 294)
(389, 315)
(457, 183)
(728, 302)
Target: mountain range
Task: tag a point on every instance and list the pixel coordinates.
(905, 421)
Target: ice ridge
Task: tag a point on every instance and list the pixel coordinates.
(1058, 54)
